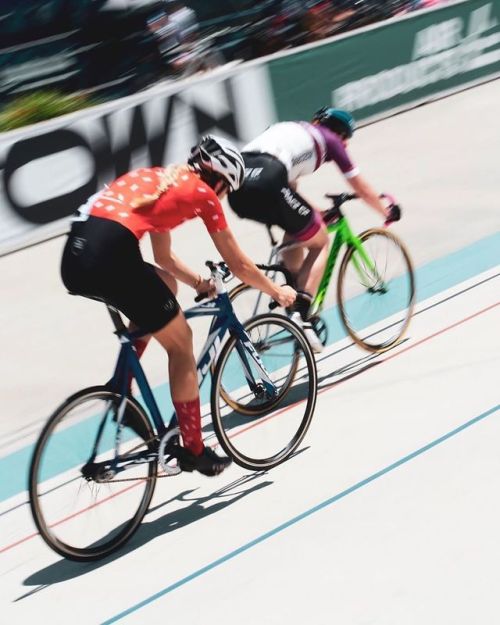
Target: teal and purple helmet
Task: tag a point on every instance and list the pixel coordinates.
(337, 120)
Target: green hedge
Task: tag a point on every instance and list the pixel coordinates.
(40, 106)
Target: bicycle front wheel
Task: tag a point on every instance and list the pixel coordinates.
(82, 508)
(376, 291)
(248, 302)
(256, 429)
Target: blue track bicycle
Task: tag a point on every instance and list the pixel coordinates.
(97, 460)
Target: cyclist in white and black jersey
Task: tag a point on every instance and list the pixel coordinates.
(274, 161)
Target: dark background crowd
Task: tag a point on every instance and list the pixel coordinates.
(111, 48)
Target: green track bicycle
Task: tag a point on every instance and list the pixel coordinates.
(375, 285)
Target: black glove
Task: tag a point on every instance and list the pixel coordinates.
(394, 214)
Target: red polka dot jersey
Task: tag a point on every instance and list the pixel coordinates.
(126, 201)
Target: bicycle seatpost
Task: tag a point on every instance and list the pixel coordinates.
(274, 242)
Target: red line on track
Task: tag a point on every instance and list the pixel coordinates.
(71, 516)
(18, 542)
(322, 390)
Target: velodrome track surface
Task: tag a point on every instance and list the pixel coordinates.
(389, 514)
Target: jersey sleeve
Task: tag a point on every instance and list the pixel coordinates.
(209, 208)
(336, 152)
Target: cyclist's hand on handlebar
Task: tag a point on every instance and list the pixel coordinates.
(394, 214)
(285, 296)
(393, 209)
(206, 288)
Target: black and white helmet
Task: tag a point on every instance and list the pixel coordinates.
(219, 156)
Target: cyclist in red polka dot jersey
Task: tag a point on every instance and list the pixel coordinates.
(102, 258)
(187, 197)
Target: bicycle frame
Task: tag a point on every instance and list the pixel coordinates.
(128, 361)
(343, 234)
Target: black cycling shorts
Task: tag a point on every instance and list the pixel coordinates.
(102, 258)
(266, 197)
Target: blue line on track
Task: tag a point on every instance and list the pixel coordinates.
(300, 517)
(432, 278)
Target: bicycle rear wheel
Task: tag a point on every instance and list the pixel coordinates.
(256, 430)
(376, 294)
(248, 301)
(82, 511)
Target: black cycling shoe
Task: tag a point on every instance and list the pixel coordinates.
(207, 463)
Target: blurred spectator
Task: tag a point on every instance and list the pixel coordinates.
(182, 20)
(423, 4)
(415, 5)
(115, 47)
(173, 24)
(319, 20)
(175, 27)
(162, 29)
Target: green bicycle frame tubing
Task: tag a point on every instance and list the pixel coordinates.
(340, 234)
(343, 234)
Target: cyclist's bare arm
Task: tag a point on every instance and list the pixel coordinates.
(245, 269)
(164, 256)
(368, 194)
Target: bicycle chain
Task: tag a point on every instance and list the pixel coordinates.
(137, 479)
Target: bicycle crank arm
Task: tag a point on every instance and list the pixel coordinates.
(104, 471)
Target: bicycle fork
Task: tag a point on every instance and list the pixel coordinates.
(265, 383)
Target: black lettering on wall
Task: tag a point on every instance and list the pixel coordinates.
(158, 143)
(33, 148)
(206, 123)
(108, 162)
(122, 155)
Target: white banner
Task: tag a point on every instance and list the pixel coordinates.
(48, 170)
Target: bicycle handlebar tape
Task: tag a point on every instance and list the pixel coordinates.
(200, 297)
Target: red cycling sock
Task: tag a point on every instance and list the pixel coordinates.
(189, 418)
(140, 345)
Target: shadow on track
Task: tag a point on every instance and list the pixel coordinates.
(199, 508)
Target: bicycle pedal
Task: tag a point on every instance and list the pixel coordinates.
(168, 450)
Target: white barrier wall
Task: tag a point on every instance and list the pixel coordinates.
(48, 170)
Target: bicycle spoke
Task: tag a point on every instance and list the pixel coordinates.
(376, 297)
(81, 511)
(256, 430)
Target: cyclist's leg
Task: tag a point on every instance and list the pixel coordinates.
(141, 343)
(310, 275)
(176, 338)
(103, 259)
(156, 307)
(308, 261)
(303, 224)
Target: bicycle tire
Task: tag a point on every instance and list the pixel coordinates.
(222, 429)
(238, 290)
(140, 424)
(366, 342)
